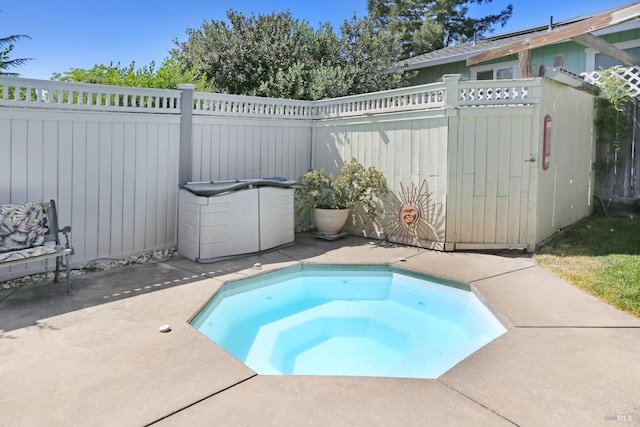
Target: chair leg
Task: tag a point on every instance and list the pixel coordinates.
(68, 265)
(57, 272)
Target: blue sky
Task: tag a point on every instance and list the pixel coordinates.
(69, 34)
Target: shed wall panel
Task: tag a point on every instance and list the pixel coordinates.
(564, 190)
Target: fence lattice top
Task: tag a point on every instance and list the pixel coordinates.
(89, 97)
(450, 93)
(630, 74)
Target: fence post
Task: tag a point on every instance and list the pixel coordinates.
(186, 125)
(451, 84)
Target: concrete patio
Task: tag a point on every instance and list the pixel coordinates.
(97, 358)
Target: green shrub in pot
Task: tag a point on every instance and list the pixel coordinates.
(355, 187)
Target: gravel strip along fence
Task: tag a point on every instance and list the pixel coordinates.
(93, 265)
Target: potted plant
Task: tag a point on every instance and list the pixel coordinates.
(327, 200)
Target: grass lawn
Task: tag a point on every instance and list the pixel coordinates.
(600, 255)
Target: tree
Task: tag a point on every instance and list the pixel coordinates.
(367, 52)
(427, 25)
(168, 76)
(6, 46)
(279, 56)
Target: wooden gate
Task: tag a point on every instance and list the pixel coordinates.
(490, 195)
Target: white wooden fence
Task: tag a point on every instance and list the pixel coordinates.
(112, 175)
(110, 156)
(74, 96)
(477, 161)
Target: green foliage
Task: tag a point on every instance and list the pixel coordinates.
(427, 25)
(6, 62)
(168, 76)
(314, 190)
(612, 88)
(612, 124)
(356, 186)
(279, 56)
(360, 187)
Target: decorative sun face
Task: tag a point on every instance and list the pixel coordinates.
(409, 214)
(413, 219)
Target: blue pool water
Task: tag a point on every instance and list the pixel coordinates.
(357, 323)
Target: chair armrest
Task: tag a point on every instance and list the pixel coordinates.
(65, 232)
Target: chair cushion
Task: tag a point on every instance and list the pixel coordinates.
(30, 252)
(22, 226)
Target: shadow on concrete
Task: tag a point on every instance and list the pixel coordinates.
(31, 304)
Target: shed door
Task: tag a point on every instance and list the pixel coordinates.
(490, 175)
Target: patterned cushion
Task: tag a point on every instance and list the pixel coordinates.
(30, 253)
(22, 226)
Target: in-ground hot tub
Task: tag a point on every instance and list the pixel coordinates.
(348, 320)
(229, 218)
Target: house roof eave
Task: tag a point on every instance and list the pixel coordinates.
(407, 66)
(410, 64)
(595, 23)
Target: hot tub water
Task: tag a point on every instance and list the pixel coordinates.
(362, 323)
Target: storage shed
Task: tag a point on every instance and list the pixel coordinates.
(487, 164)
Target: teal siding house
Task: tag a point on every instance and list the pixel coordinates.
(577, 45)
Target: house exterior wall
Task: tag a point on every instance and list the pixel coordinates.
(622, 36)
(565, 189)
(572, 55)
(434, 74)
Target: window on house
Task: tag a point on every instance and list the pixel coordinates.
(605, 61)
(504, 73)
(495, 72)
(596, 60)
(484, 75)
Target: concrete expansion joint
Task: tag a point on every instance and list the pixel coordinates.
(200, 400)
(285, 254)
(501, 274)
(478, 403)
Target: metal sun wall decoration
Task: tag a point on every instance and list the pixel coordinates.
(414, 219)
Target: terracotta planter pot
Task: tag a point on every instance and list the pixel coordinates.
(330, 221)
